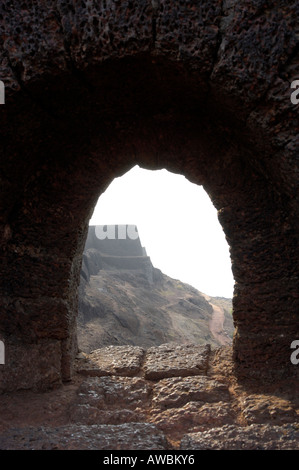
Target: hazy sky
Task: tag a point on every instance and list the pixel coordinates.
(177, 225)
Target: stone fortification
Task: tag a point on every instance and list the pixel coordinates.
(93, 88)
(120, 249)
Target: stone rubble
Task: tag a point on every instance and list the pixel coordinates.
(191, 401)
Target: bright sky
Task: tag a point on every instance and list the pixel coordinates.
(177, 224)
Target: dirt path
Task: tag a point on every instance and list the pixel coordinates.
(216, 325)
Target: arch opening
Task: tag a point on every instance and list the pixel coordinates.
(161, 115)
(156, 266)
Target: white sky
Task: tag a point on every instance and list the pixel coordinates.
(177, 224)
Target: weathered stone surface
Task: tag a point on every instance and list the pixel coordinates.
(253, 437)
(88, 415)
(177, 391)
(115, 392)
(115, 412)
(133, 436)
(46, 355)
(264, 408)
(171, 360)
(113, 360)
(193, 416)
(205, 92)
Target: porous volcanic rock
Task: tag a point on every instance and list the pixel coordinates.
(111, 400)
(194, 415)
(113, 360)
(129, 436)
(177, 391)
(211, 411)
(260, 408)
(171, 360)
(199, 88)
(253, 437)
(115, 392)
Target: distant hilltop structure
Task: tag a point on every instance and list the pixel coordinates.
(115, 247)
(124, 299)
(116, 240)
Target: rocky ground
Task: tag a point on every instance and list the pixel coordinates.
(166, 397)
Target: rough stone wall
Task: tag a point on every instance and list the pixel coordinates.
(121, 252)
(94, 87)
(114, 240)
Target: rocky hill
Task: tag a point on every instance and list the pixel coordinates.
(125, 300)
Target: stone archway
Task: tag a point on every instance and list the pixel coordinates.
(94, 88)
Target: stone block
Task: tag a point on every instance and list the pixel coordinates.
(177, 391)
(170, 360)
(253, 437)
(131, 436)
(112, 392)
(112, 360)
(193, 415)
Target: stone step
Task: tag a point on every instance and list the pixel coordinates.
(146, 436)
(166, 397)
(159, 362)
(111, 360)
(253, 437)
(115, 400)
(170, 360)
(130, 436)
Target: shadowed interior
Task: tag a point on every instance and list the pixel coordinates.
(68, 132)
